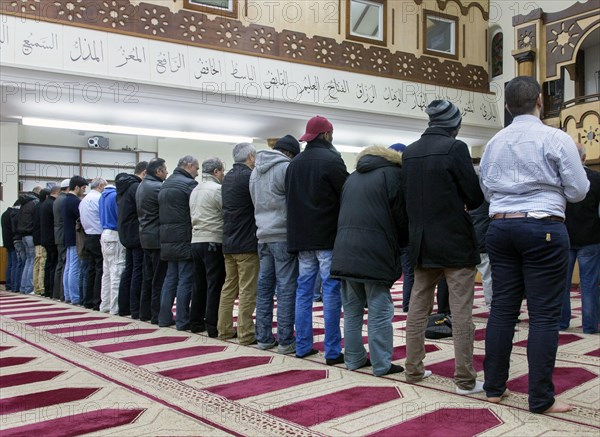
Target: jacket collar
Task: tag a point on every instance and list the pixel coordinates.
(182, 172)
(436, 131)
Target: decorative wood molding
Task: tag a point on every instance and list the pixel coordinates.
(464, 9)
(527, 37)
(196, 29)
(571, 11)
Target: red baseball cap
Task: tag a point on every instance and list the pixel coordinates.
(315, 126)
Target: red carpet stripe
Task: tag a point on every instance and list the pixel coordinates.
(28, 377)
(77, 424)
(3, 348)
(595, 353)
(175, 354)
(32, 304)
(137, 344)
(444, 423)
(563, 339)
(446, 368)
(564, 378)
(399, 352)
(86, 327)
(65, 321)
(49, 315)
(335, 405)
(27, 310)
(215, 367)
(266, 384)
(14, 361)
(5, 304)
(109, 335)
(44, 399)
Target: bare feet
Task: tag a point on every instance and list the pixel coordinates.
(558, 407)
(496, 400)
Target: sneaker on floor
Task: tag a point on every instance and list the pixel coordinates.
(267, 346)
(309, 353)
(334, 361)
(477, 389)
(426, 374)
(287, 349)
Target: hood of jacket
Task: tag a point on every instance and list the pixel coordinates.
(27, 197)
(125, 182)
(108, 190)
(375, 157)
(266, 159)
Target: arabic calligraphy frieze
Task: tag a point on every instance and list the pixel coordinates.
(195, 29)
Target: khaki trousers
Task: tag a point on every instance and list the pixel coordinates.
(241, 276)
(39, 264)
(461, 289)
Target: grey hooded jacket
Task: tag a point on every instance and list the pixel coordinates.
(267, 188)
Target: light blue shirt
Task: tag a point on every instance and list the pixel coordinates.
(529, 167)
(89, 213)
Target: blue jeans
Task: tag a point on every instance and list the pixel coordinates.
(408, 279)
(71, 276)
(278, 270)
(178, 282)
(529, 259)
(27, 276)
(381, 311)
(312, 263)
(11, 263)
(19, 265)
(589, 276)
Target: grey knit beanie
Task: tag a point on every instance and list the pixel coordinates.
(443, 113)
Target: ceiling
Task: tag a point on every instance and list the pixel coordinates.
(59, 96)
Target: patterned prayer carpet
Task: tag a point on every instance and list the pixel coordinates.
(67, 371)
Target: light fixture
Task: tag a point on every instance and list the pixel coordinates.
(348, 149)
(130, 130)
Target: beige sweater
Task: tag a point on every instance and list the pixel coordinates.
(206, 209)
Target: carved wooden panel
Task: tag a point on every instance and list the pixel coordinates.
(226, 34)
(526, 37)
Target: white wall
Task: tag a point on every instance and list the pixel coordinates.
(8, 164)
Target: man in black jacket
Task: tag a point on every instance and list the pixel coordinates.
(314, 183)
(59, 239)
(240, 247)
(583, 225)
(146, 199)
(128, 226)
(47, 239)
(440, 185)
(25, 225)
(7, 242)
(176, 242)
(372, 229)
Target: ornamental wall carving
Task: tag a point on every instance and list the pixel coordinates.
(156, 21)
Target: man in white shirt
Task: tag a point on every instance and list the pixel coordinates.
(89, 214)
(528, 173)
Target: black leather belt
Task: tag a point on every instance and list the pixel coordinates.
(513, 215)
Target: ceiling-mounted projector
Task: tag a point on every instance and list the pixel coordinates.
(97, 142)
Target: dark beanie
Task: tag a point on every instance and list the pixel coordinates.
(443, 113)
(288, 143)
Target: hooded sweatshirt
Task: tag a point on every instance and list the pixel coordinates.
(267, 189)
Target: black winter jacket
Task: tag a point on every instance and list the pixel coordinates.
(439, 182)
(146, 200)
(314, 181)
(174, 216)
(26, 219)
(239, 225)
(372, 225)
(127, 219)
(582, 218)
(481, 223)
(7, 232)
(47, 222)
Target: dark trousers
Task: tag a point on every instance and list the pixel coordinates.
(50, 269)
(155, 270)
(59, 292)
(130, 286)
(94, 273)
(84, 268)
(529, 259)
(408, 277)
(10, 262)
(209, 274)
(443, 296)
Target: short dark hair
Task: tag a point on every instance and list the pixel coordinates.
(77, 181)
(141, 167)
(211, 164)
(521, 95)
(154, 165)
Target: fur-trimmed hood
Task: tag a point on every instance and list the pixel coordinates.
(375, 157)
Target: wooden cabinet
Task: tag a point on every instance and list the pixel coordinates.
(46, 165)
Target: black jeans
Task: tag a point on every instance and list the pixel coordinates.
(94, 273)
(50, 269)
(59, 292)
(130, 286)
(209, 275)
(155, 270)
